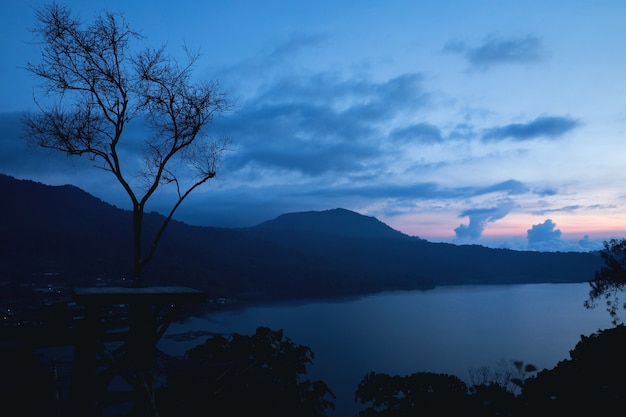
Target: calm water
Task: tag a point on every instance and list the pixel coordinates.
(446, 330)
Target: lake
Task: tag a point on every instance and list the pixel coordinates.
(444, 330)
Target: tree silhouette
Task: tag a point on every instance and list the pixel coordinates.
(27, 387)
(509, 375)
(98, 83)
(262, 374)
(591, 382)
(421, 393)
(610, 280)
(492, 393)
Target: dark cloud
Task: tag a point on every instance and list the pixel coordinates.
(569, 209)
(455, 46)
(479, 218)
(602, 207)
(329, 131)
(296, 43)
(497, 50)
(301, 138)
(318, 124)
(376, 187)
(20, 159)
(575, 207)
(545, 126)
(420, 133)
(247, 205)
(546, 191)
(10, 133)
(510, 187)
(271, 142)
(462, 131)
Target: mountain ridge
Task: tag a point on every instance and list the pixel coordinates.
(65, 230)
(337, 221)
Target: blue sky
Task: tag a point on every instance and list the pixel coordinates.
(491, 122)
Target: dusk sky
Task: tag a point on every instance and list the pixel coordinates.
(500, 123)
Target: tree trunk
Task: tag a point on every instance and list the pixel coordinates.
(137, 231)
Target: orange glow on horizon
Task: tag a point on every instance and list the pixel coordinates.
(572, 226)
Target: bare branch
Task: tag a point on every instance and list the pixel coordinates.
(100, 84)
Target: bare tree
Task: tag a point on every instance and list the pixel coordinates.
(98, 80)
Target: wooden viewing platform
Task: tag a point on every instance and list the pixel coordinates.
(148, 313)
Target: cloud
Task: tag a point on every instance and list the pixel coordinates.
(18, 158)
(568, 209)
(510, 187)
(315, 140)
(545, 237)
(318, 124)
(545, 126)
(375, 188)
(545, 191)
(10, 142)
(586, 244)
(497, 50)
(544, 232)
(246, 205)
(285, 159)
(479, 218)
(298, 42)
(420, 132)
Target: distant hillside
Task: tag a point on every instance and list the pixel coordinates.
(67, 233)
(406, 260)
(335, 222)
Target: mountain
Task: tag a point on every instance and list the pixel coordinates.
(335, 222)
(65, 234)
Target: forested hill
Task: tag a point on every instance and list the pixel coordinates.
(336, 222)
(65, 232)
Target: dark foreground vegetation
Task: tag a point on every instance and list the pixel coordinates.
(265, 374)
(590, 382)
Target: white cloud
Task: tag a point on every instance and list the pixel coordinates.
(479, 218)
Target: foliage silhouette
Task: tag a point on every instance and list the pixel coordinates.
(507, 374)
(610, 280)
(421, 393)
(27, 386)
(493, 392)
(262, 374)
(590, 382)
(493, 399)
